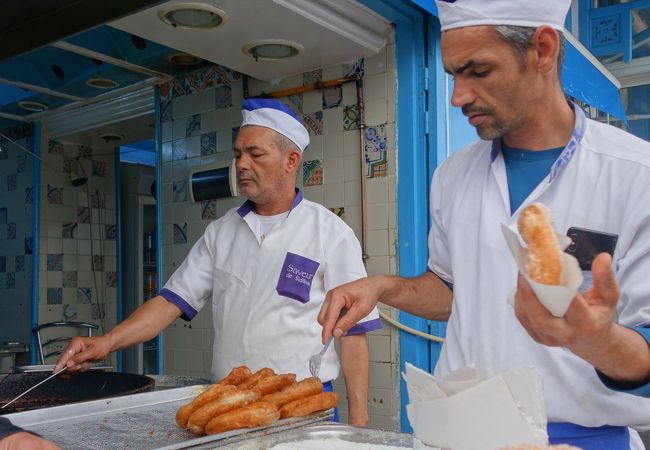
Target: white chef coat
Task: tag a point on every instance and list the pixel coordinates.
(267, 290)
(601, 182)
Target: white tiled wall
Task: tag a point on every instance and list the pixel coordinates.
(198, 118)
(78, 278)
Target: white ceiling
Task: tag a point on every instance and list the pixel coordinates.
(331, 32)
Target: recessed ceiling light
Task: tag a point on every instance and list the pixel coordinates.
(272, 49)
(110, 137)
(33, 106)
(184, 59)
(102, 83)
(194, 16)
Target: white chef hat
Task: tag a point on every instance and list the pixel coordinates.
(524, 13)
(273, 114)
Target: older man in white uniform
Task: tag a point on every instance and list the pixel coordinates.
(536, 147)
(265, 267)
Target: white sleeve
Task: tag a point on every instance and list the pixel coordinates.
(190, 286)
(345, 264)
(439, 261)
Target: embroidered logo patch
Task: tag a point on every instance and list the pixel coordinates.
(296, 276)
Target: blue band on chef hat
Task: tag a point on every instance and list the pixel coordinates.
(270, 113)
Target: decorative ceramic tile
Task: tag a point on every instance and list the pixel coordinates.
(217, 75)
(85, 150)
(193, 125)
(21, 163)
(55, 148)
(3, 263)
(97, 199)
(98, 311)
(111, 279)
(312, 76)
(339, 212)
(180, 191)
(165, 92)
(314, 122)
(166, 111)
(11, 182)
(312, 172)
(69, 279)
(375, 149)
(28, 245)
(222, 97)
(98, 263)
(29, 195)
(20, 264)
(209, 143)
(235, 131)
(4, 154)
(54, 195)
(209, 209)
(69, 311)
(180, 233)
(179, 149)
(67, 164)
(332, 97)
(192, 82)
(11, 231)
(83, 214)
(351, 117)
(54, 296)
(3, 215)
(177, 88)
(110, 232)
(69, 230)
(295, 102)
(84, 295)
(11, 280)
(99, 168)
(355, 68)
(55, 262)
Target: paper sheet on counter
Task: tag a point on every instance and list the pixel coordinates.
(555, 298)
(464, 412)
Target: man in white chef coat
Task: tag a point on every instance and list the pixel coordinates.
(535, 147)
(265, 267)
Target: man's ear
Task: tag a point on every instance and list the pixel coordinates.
(546, 44)
(293, 160)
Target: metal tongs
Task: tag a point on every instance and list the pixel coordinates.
(35, 386)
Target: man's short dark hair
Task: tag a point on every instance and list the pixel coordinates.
(519, 38)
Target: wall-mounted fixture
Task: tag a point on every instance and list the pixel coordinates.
(272, 49)
(213, 181)
(33, 106)
(77, 173)
(192, 16)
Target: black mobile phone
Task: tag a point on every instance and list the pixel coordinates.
(586, 244)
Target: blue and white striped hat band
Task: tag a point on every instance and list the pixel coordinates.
(273, 114)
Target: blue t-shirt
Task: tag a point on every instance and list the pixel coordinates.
(525, 170)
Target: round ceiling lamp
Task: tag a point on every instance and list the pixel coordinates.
(33, 106)
(272, 49)
(184, 59)
(192, 16)
(102, 83)
(110, 137)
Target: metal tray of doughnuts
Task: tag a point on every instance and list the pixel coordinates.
(315, 433)
(143, 421)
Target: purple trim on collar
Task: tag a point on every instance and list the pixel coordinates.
(569, 150)
(172, 297)
(249, 206)
(365, 327)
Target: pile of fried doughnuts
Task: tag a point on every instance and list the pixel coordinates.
(544, 262)
(245, 400)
